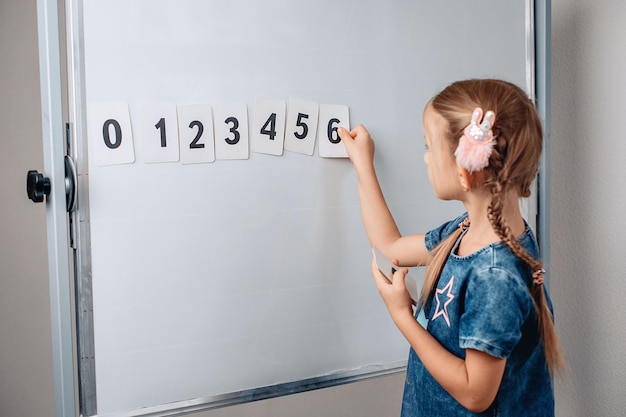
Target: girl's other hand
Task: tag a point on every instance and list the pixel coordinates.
(394, 294)
(359, 145)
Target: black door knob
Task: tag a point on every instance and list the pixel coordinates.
(37, 186)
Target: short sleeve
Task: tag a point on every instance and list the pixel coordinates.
(433, 237)
(496, 307)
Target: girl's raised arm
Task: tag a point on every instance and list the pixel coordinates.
(380, 227)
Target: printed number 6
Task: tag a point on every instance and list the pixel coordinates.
(332, 131)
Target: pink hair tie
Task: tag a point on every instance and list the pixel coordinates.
(465, 224)
(476, 144)
(538, 276)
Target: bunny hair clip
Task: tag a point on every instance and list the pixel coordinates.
(476, 144)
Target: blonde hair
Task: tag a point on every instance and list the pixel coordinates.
(512, 166)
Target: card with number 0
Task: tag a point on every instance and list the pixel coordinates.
(110, 134)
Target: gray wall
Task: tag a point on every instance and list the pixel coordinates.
(587, 227)
(26, 383)
(588, 202)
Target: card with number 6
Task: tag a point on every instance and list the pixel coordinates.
(332, 117)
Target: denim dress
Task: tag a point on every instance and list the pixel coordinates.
(483, 302)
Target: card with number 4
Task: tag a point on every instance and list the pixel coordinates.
(268, 126)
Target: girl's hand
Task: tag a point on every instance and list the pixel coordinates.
(359, 145)
(394, 294)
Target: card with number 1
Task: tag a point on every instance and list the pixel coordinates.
(159, 132)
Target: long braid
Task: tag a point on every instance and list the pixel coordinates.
(552, 347)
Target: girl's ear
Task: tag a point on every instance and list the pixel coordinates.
(465, 177)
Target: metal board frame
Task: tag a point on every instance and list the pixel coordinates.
(56, 216)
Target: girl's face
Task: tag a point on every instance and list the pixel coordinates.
(439, 158)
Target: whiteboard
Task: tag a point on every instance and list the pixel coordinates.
(222, 278)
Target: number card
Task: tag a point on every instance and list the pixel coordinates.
(159, 132)
(301, 126)
(195, 132)
(268, 126)
(110, 135)
(387, 267)
(332, 116)
(230, 122)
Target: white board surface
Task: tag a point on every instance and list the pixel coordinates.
(226, 275)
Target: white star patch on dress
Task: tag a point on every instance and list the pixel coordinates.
(443, 310)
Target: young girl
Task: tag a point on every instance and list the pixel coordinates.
(490, 346)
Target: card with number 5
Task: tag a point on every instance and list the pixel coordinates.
(301, 128)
